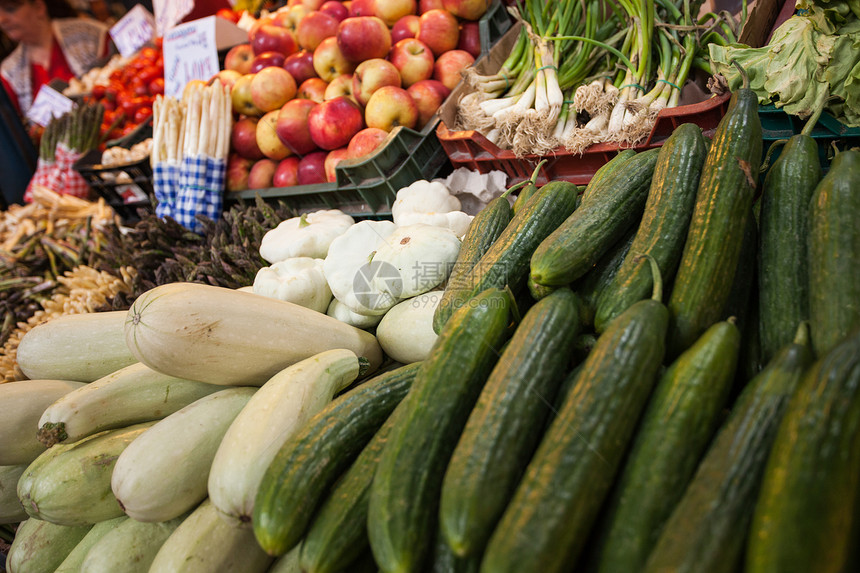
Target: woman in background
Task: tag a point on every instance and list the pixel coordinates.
(53, 43)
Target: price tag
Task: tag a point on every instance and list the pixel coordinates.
(168, 13)
(133, 31)
(190, 53)
(132, 193)
(49, 103)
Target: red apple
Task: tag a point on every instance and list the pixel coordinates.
(390, 11)
(470, 38)
(267, 137)
(291, 17)
(287, 172)
(427, 5)
(267, 59)
(292, 126)
(440, 30)
(262, 174)
(240, 95)
(262, 21)
(390, 107)
(341, 86)
(363, 38)
(335, 9)
(239, 58)
(271, 38)
(366, 141)
(314, 28)
(301, 66)
(238, 170)
(333, 123)
(312, 89)
(406, 27)
(312, 168)
(271, 88)
(449, 65)
(467, 9)
(361, 8)
(413, 59)
(243, 138)
(330, 62)
(334, 157)
(225, 77)
(428, 96)
(371, 75)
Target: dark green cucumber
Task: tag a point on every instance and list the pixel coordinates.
(308, 463)
(404, 498)
(834, 254)
(607, 168)
(738, 301)
(679, 421)
(804, 514)
(337, 535)
(783, 277)
(507, 423)
(446, 561)
(600, 276)
(607, 213)
(506, 263)
(545, 526)
(664, 224)
(707, 530)
(713, 244)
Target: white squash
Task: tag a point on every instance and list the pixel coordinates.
(341, 312)
(307, 236)
(406, 332)
(299, 280)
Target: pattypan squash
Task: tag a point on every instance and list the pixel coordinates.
(338, 310)
(307, 236)
(406, 331)
(299, 280)
(430, 203)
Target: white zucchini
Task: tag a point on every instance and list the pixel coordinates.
(225, 336)
(164, 472)
(11, 510)
(21, 404)
(72, 487)
(205, 543)
(129, 548)
(40, 546)
(72, 563)
(128, 396)
(277, 411)
(81, 347)
(406, 332)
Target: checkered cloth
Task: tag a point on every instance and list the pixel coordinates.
(60, 176)
(43, 177)
(194, 188)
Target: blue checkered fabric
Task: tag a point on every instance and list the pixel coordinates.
(201, 187)
(165, 182)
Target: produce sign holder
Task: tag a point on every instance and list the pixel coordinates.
(473, 150)
(368, 185)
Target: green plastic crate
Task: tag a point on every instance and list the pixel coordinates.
(777, 125)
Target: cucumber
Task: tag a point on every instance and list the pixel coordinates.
(834, 254)
(72, 562)
(73, 486)
(677, 426)
(601, 276)
(707, 530)
(337, 535)
(607, 168)
(446, 561)
(11, 510)
(506, 263)
(404, 496)
(805, 512)
(607, 212)
(287, 563)
(129, 548)
(163, 474)
(205, 542)
(664, 224)
(507, 423)
(41, 546)
(714, 240)
(783, 276)
(309, 463)
(545, 526)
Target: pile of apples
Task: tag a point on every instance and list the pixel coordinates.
(321, 81)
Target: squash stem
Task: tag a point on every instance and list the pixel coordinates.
(743, 73)
(816, 113)
(519, 185)
(773, 147)
(657, 292)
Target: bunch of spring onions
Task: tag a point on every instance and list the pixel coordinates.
(588, 71)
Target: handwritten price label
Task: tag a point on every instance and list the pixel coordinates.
(190, 53)
(49, 103)
(169, 13)
(133, 31)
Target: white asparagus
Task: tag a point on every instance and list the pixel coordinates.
(201, 146)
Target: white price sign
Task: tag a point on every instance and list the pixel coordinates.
(133, 31)
(190, 53)
(49, 103)
(168, 13)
